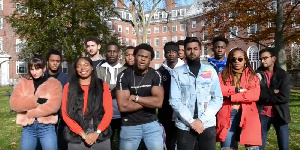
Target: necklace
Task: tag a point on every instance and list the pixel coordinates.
(137, 86)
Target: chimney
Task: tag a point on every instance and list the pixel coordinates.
(170, 4)
(120, 4)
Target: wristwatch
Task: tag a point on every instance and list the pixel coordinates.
(136, 98)
(98, 131)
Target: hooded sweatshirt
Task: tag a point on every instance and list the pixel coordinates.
(109, 74)
(218, 65)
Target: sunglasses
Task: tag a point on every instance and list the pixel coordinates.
(239, 59)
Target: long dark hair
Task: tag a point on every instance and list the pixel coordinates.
(75, 95)
(228, 70)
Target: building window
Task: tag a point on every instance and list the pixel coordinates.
(252, 29)
(182, 37)
(127, 30)
(156, 15)
(174, 13)
(147, 17)
(253, 55)
(127, 16)
(194, 35)
(204, 36)
(174, 38)
(133, 31)
(193, 24)
(127, 42)
(156, 55)
(1, 23)
(182, 27)
(164, 40)
(149, 41)
(119, 28)
(64, 66)
(149, 31)
(156, 42)
(156, 29)
(203, 22)
(296, 25)
(134, 42)
(141, 31)
(120, 40)
(234, 32)
(1, 44)
(109, 25)
(271, 24)
(21, 8)
(21, 67)
(182, 12)
(19, 44)
(164, 15)
(1, 4)
(164, 29)
(174, 28)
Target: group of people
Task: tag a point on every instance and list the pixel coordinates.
(186, 104)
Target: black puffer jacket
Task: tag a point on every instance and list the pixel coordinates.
(280, 81)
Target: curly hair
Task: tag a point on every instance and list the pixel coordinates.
(228, 70)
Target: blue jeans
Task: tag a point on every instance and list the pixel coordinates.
(44, 132)
(234, 132)
(281, 128)
(151, 133)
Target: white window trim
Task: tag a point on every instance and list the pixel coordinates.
(18, 65)
(237, 32)
(174, 38)
(156, 29)
(175, 28)
(149, 31)
(1, 44)
(127, 42)
(184, 27)
(134, 42)
(194, 34)
(64, 64)
(156, 15)
(163, 29)
(157, 56)
(164, 40)
(127, 30)
(1, 23)
(119, 27)
(155, 42)
(194, 24)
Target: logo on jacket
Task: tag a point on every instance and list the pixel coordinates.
(206, 74)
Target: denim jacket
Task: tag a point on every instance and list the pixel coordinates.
(186, 88)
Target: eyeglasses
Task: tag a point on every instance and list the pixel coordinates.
(239, 59)
(264, 58)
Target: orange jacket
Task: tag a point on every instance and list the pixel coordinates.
(250, 123)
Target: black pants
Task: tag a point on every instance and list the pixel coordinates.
(205, 141)
(170, 130)
(116, 129)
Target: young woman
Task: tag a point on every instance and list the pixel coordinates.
(87, 109)
(238, 119)
(36, 100)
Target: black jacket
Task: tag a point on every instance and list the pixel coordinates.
(165, 112)
(280, 81)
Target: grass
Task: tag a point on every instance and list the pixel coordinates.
(10, 133)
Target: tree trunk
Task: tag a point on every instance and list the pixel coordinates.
(279, 43)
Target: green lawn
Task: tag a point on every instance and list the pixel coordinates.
(10, 133)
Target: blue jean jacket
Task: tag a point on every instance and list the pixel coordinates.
(186, 88)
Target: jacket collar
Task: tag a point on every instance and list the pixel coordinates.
(106, 65)
(179, 63)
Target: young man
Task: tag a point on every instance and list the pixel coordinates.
(92, 45)
(129, 57)
(196, 98)
(181, 54)
(165, 114)
(220, 44)
(273, 104)
(54, 60)
(108, 72)
(139, 93)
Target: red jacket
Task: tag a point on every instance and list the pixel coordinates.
(250, 123)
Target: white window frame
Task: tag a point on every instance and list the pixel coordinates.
(1, 23)
(251, 31)
(194, 24)
(174, 13)
(155, 42)
(156, 29)
(119, 28)
(1, 4)
(182, 12)
(109, 25)
(127, 30)
(127, 41)
(120, 40)
(164, 27)
(24, 64)
(19, 44)
(182, 37)
(203, 22)
(271, 24)
(194, 34)
(133, 31)
(21, 8)
(149, 30)
(134, 42)
(1, 44)
(236, 32)
(164, 15)
(204, 36)
(182, 27)
(148, 41)
(164, 40)
(174, 28)
(156, 56)
(156, 15)
(64, 67)
(174, 38)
